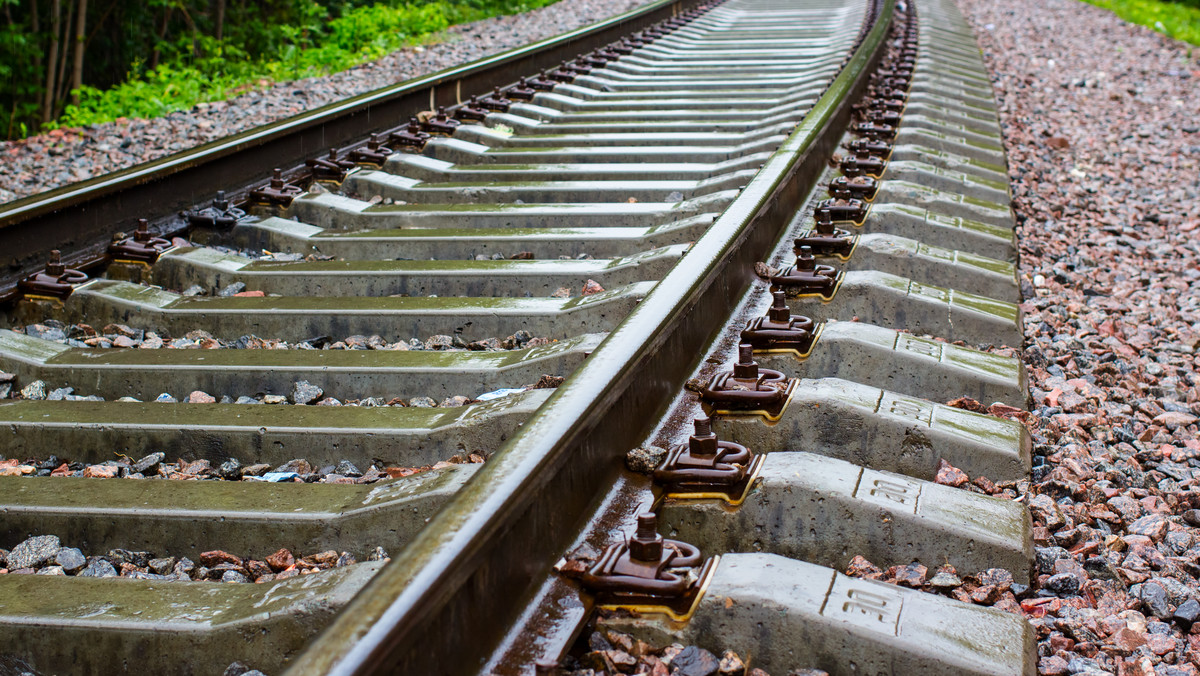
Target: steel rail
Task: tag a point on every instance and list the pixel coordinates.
(442, 605)
(80, 218)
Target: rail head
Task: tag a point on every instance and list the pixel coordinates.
(442, 605)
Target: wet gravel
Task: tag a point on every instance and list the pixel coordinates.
(303, 393)
(613, 652)
(123, 336)
(67, 156)
(46, 555)
(156, 466)
(1100, 127)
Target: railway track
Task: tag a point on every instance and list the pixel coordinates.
(487, 310)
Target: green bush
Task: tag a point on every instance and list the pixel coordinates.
(1179, 20)
(200, 68)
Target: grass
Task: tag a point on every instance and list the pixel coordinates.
(1179, 20)
(363, 34)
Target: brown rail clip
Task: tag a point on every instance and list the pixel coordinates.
(563, 73)
(56, 281)
(375, 154)
(882, 132)
(496, 101)
(706, 467)
(623, 48)
(890, 118)
(854, 187)
(779, 329)
(826, 239)
(542, 83)
(142, 247)
(409, 138)
(862, 165)
(522, 91)
(593, 60)
(887, 99)
(864, 147)
(841, 210)
(747, 387)
(471, 111)
(441, 124)
(649, 572)
(330, 168)
(806, 277)
(893, 83)
(277, 192)
(220, 214)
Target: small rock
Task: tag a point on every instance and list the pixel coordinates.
(70, 559)
(1052, 666)
(1044, 509)
(165, 398)
(731, 664)
(298, 465)
(304, 392)
(912, 575)
(232, 289)
(274, 399)
(1174, 419)
(422, 402)
(233, 576)
(1063, 584)
(1187, 613)
(1155, 598)
(198, 397)
(347, 468)
(124, 556)
(231, 470)
(1153, 526)
(945, 580)
(35, 391)
(645, 459)
(548, 382)
(693, 661)
(255, 470)
(591, 287)
(34, 552)
(163, 566)
(98, 567)
(148, 463)
(949, 475)
(280, 560)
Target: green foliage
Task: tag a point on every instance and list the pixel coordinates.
(21, 76)
(263, 42)
(1179, 20)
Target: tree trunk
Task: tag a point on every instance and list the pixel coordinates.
(80, 46)
(219, 33)
(162, 35)
(52, 60)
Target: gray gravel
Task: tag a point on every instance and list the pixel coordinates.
(45, 555)
(1100, 126)
(67, 156)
